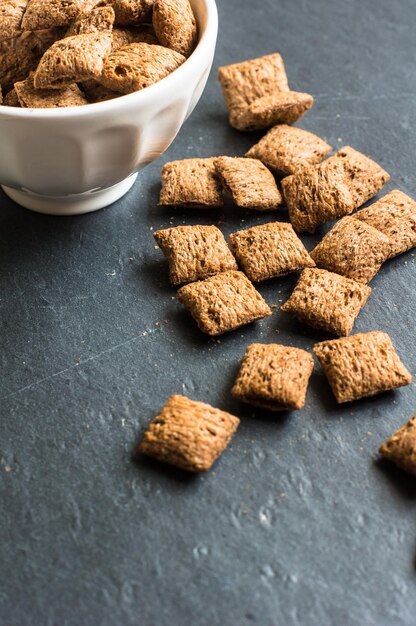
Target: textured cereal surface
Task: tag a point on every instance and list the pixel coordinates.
(223, 302)
(11, 13)
(129, 12)
(124, 36)
(11, 99)
(98, 20)
(175, 25)
(188, 434)
(269, 250)
(243, 83)
(326, 300)
(361, 365)
(137, 66)
(287, 149)
(395, 216)
(250, 184)
(274, 377)
(194, 252)
(191, 183)
(21, 55)
(401, 447)
(284, 107)
(30, 97)
(334, 188)
(72, 59)
(352, 248)
(41, 14)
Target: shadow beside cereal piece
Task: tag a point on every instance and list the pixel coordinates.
(403, 482)
(336, 187)
(362, 365)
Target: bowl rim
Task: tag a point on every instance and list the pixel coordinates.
(208, 35)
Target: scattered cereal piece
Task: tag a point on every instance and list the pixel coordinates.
(269, 250)
(20, 55)
(138, 65)
(250, 184)
(353, 249)
(326, 300)
(30, 97)
(401, 447)
(194, 252)
(223, 302)
(334, 188)
(395, 216)
(361, 365)
(244, 83)
(286, 149)
(99, 20)
(191, 183)
(284, 107)
(188, 434)
(11, 13)
(72, 59)
(274, 377)
(175, 25)
(42, 14)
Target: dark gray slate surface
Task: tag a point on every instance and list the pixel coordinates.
(298, 523)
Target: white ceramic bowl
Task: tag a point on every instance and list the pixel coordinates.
(80, 159)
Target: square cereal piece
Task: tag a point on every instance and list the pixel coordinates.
(191, 183)
(223, 302)
(11, 13)
(287, 149)
(401, 447)
(243, 83)
(273, 377)
(395, 216)
(250, 184)
(188, 434)
(284, 107)
(175, 25)
(353, 249)
(361, 365)
(41, 14)
(334, 188)
(326, 300)
(269, 250)
(194, 252)
(30, 97)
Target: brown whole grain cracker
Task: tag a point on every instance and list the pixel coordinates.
(353, 249)
(273, 377)
(11, 13)
(250, 184)
(188, 434)
(334, 188)
(243, 83)
(30, 97)
(41, 14)
(326, 300)
(287, 149)
(284, 107)
(401, 447)
(361, 365)
(394, 216)
(72, 59)
(194, 252)
(98, 20)
(223, 302)
(138, 65)
(269, 250)
(191, 183)
(175, 25)
(20, 55)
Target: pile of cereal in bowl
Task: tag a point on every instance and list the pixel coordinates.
(59, 53)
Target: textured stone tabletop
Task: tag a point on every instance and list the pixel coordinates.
(298, 523)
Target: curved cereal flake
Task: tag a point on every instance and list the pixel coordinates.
(50, 13)
(175, 25)
(11, 13)
(73, 59)
(99, 20)
(138, 65)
